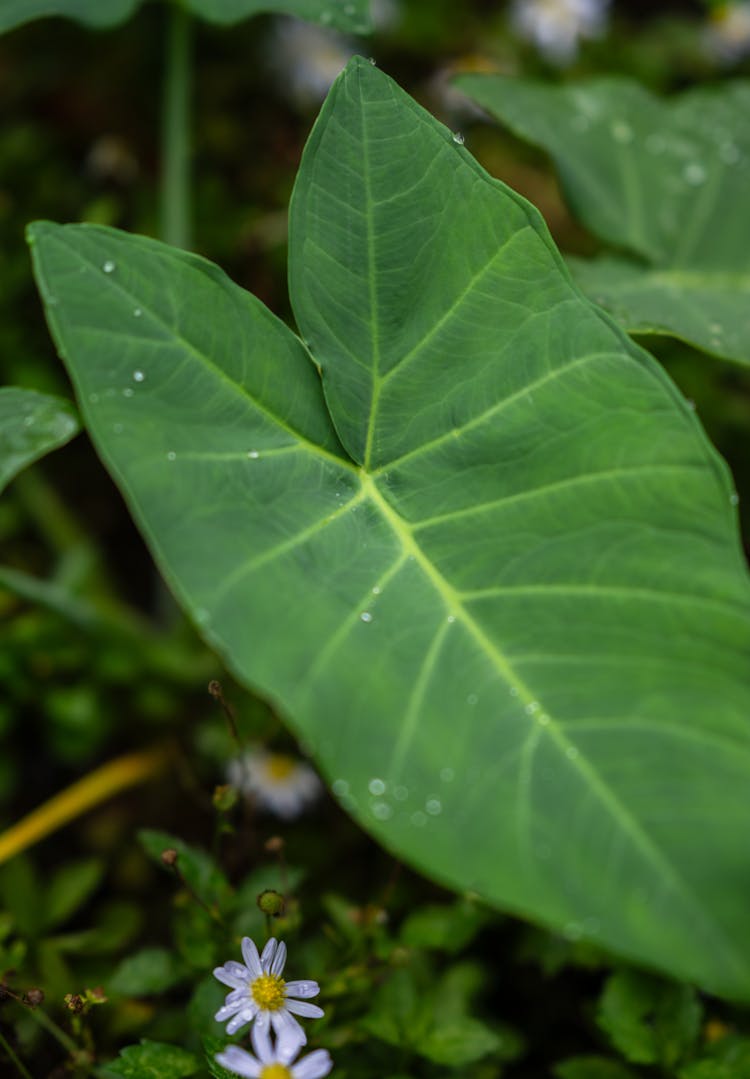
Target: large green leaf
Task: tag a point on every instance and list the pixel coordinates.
(665, 180)
(31, 424)
(511, 618)
(350, 15)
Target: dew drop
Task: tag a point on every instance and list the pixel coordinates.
(716, 327)
(690, 403)
(253, 454)
(108, 266)
(127, 392)
(447, 775)
(381, 810)
(137, 312)
(93, 398)
(138, 376)
(171, 456)
(117, 428)
(694, 174)
(373, 61)
(28, 421)
(513, 691)
(340, 787)
(418, 819)
(543, 719)
(621, 132)
(434, 806)
(376, 786)
(472, 698)
(531, 708)
(365, 617)
(400, 793)
(458, 138)
(729, 153)
(451, 618)
(377, 590)
(734, 498)
(201, 615)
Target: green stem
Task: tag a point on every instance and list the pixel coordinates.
(175, 179)
(52, 1028)
(21, 1067)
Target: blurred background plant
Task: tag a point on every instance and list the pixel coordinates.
(97, 662)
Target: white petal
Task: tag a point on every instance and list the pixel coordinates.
(313, 1066)
(266, 956)
(279, 959)
(263, 1020)
(238, 1061)
(226, 1011)
(301, 1007)
(282, 1021)
(262, 1042)
(240, 1020)
(290, 1040)
(227, 976)
(302, 989)
(252, 959)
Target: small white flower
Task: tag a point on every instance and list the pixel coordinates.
(260, 993)
(270, 1063)
(555, 26)
(727, 37)
(283, 785)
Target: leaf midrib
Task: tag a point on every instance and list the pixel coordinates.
(627, 823)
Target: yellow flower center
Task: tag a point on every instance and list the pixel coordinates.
(269, 994)
(279, 767)
(275, 1071)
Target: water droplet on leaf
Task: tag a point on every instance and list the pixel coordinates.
(108, 266)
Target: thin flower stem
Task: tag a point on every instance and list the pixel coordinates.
(176, 211)
(52, 1028)
(15, 1059)
(214, 688)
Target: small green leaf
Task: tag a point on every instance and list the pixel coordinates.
(444, 927)
(70, 888)
(198, 868)
(726, 1058)
(31, 425)
(153, 1060)
(650, 1021)
(666, 180)
(592, 1067)
(212, 1046)
(459, 1042)
(152, 970)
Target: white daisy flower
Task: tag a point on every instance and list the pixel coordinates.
(281, 784)
(270, 1063)
(556, 26)
(727, 37)
(260, 993)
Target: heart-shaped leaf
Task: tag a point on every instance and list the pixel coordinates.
(665, 180)
(511, 617)
(349, 15)
(31, 424)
